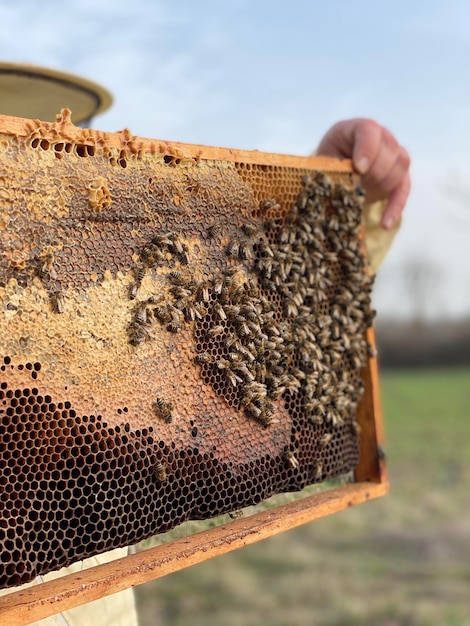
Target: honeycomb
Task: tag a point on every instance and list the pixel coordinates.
(181, 337)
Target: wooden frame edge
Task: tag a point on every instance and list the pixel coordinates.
(28, 605)
(22, 127)
(371, 466)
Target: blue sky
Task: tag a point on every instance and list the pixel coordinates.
(273, 76)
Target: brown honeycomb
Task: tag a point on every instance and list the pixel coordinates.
(180, 338)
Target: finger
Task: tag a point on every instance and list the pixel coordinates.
(396, 203)
(354, 139)
(392, 179)
(367, 142)
(385, 159)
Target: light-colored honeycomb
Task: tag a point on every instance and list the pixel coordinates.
(180, 338)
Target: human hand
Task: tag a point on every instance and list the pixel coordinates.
(376, 154)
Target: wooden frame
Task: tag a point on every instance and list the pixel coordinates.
(34, 603)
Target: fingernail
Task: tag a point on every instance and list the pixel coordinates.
(388, 222)
(362, 165)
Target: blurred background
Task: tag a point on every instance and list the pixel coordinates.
(274, 76)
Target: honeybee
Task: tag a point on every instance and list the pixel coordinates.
(236, 281)
(316, 419)
(249, 229)
(315, 405)
(44, 267)
(355, 427)
(333, 222)
(174, 326)
(162, 313)
(159, 472)
(180, 293)
(200, 309)
(298, 374)
(249, 311)
(265, 267)
(236, 514)
(164, 410)
(184, 256)
(334, 417)
(285, 234)
(318, 470)
(202, 292)
(270, 204)
(223, 364)
(274, 356)
(232, 377)
(245, 372)
(162, 241)
(191, 312)
(140, 273)
(233, 248)
(177, 278)
(265, 249)
(228, 368)
(342, 401)
(269, 407)
(214, 230)
(204, 357)
(246, 352)
(291, 459)
(152, 256)
(175, 244)
(234, 357)
(290, 309)
(302, 200)
(138, 334)
(140, 316)
(291, 384)
(266, 418)
(133, 289)
(355, 358)
(243, 329)
(219, 311)
(325, 439)
(251, 408)
(231, 340)
(181, 249)
(218, 285)
(232, 310)
(246, 251)
(215, 331)
(57, 300)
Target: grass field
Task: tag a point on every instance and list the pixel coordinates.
(402, 560)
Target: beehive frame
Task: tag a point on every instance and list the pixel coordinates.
(35, 269)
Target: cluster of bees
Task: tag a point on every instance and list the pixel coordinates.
(286, 316)
(315, 265)
(159, 251)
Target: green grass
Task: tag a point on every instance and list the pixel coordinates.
(402, 560)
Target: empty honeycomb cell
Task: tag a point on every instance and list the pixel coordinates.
(251, 354)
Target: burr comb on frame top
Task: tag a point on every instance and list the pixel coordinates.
(183, 333)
